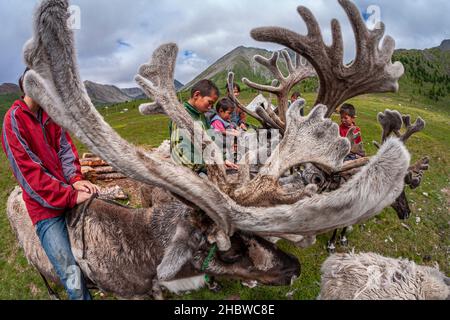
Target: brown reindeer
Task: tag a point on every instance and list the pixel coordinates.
(129, 252)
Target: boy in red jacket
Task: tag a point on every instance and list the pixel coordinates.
(45, 163)
(348, 121)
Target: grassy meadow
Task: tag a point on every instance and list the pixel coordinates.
(426, 242)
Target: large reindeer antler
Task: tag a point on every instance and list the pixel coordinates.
(55, 84)
(372, 70)
(296, 74)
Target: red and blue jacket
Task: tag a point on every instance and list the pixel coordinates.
(44, 161)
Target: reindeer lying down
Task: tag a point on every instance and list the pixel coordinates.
(121, 250)
(129, 252)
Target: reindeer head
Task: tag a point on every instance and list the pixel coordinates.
(251, 258)
(197, 246)
(260, 205)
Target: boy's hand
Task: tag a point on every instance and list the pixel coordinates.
(243, 127)
(86, 186)
(231, 165)
(83, 197)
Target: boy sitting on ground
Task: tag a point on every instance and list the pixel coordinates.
(348, 122)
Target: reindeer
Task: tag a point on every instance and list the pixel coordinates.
(130, 252)
(369, 276)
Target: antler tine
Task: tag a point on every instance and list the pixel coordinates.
(260, 87)
(418, 126)
(264, 114)
(416, 172)
(304, 131)
(271, 64)
(279, 124)
(338, 82)
(154, 78)
(236, 101)
(296, 74)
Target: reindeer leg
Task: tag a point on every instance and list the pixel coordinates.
(214, 286)
(401, 206)
(331, 248)
(344, 240)
(157, 291)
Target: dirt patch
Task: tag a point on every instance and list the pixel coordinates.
(130, 187)
(35, 291)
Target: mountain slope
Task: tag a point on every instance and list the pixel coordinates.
(105, 94)
(9, 88)
(241, 62)
(427, 72)
(137, 93)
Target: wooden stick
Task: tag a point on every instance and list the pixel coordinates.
(109, 176)
(93, 162)
(354, 164)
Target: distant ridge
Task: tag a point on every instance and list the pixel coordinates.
(445, 45)
(105, 94)
(109, 94)
(9, 88)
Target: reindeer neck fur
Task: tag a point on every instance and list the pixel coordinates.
(123, 246)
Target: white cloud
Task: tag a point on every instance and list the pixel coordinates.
(117, 36)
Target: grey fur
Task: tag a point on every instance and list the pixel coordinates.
(368, 276)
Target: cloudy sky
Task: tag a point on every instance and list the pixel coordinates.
(116, 36)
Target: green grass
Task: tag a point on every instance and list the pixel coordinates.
(427, 243)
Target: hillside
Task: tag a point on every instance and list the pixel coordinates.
(241, 62)
(445, 45)
(135, 93)
(105, 94)
(6, 88)
(427, 72)
(138, 94)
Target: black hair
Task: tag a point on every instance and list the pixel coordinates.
(224, 104)
(349, 109)
(22, 77)
(296, 95)
(206, 88)
(235, 86)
